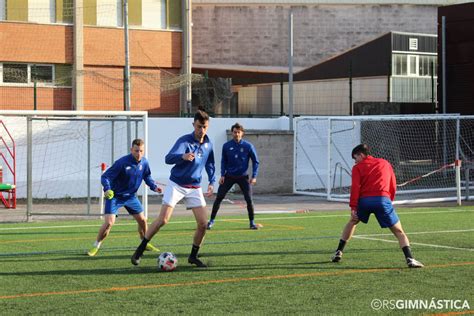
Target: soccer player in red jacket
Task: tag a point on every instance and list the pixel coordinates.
(372, 191)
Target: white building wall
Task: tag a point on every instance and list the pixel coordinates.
(154, 14)
(42, 11)
(109, 12)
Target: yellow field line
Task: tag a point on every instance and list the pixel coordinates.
(453, 313)
(288, 227)
(220, 281)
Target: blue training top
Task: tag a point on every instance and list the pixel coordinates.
(125, 176)
(235, 158)
(186, 172)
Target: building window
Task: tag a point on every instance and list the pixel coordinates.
(26, 74)
(42, 73)
(173, 9)
(64, 11)
(412, 65)
(16, 10)
(62, 75)
(15, 73)
(2, 10)
(399, 65)
(427, 66)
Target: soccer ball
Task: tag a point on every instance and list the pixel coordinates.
(167, 261)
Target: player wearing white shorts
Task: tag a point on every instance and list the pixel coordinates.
(190, 155)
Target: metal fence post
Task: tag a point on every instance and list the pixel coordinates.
(29, 167)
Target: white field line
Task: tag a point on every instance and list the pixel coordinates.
(421, 233)
(415, 243)
(259, 219)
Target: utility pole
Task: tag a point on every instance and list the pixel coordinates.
(290, 70)
(126, 74)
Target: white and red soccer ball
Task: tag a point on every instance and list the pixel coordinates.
(167, 262)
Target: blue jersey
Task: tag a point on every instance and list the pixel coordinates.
(186, 172)
(125, 176)
(235, 158)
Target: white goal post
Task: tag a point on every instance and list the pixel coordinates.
(60, 153)
(427, 153)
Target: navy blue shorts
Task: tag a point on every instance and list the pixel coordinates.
(381, 206)
(131, 204)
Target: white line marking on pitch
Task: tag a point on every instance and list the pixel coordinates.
(259, 219)
(414, 243)
(420, 233)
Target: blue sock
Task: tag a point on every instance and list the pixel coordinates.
(252, 223)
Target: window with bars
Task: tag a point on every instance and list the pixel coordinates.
(17, 73)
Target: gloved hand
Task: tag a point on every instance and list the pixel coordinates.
(109, 194)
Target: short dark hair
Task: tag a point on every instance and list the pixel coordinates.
(237, 126)
(138, 142)
(201, 116)
(360, 149)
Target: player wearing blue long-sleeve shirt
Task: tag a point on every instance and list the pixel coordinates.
(236, 155)
(120, 183)
(189, 155)
(188, 173)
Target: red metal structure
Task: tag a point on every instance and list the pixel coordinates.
(8, 195)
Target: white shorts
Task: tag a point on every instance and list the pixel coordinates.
(175, 193)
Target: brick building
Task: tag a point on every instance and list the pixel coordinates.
(49, 62)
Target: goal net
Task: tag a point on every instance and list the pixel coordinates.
(423, 151)
(59, 156)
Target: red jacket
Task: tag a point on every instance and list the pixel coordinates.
(372, 177)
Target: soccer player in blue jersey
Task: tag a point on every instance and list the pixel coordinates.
(190, 155)
(120, 182)
(236, 155)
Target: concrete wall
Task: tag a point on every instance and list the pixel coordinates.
(275, 153)
(251, 34)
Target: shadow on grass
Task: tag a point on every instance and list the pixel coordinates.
(105, 254)
(279, 269)
(149, 264)
(32, 235)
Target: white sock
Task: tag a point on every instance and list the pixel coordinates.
(97, 244)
